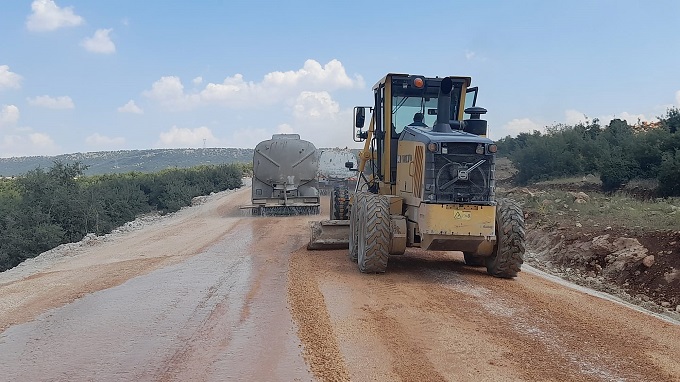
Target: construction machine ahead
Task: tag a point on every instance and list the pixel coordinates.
(285, 177)
(426, 179)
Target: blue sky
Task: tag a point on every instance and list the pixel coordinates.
(79, 76)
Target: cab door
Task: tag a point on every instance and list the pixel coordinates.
(470, 100)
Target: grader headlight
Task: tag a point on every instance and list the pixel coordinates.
(433, 147)
(492, 148)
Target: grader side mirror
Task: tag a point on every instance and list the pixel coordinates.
(359, 117)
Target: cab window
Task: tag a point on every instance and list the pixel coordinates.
(404, 109)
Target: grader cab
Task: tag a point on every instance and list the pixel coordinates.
(425, 179)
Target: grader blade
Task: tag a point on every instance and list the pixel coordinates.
(329, 234)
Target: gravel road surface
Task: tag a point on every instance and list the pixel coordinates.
(209, 294)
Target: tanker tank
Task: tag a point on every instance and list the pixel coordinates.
(285, 177)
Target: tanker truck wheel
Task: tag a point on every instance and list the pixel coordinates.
(340, 203)
(374, 233)
(474, 261)
(508, 254)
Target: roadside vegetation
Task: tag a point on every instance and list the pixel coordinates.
(618, 152)
(46, 208)
(552, 209)
(602, 205)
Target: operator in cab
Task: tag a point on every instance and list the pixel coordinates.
(418, 120)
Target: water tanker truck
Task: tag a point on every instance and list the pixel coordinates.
(285, 177)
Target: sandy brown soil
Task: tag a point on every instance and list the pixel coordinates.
(637, 263)
(569, 245)
(208, 294)
(433, 318)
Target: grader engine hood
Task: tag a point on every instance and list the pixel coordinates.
(459, 167)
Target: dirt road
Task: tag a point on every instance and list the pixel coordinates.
(210, 295)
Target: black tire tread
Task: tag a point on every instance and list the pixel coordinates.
(340, 203)
(508, 256)
(373, 250)
(354, 227)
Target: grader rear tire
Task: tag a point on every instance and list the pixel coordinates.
(374, 233)
(508, 256)
(340, 203)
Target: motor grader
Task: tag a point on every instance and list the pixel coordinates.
(425, 181)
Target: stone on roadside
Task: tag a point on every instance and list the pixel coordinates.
(648, 261)
(526, 191)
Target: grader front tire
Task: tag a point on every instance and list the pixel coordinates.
(508, 256)
(354, 216)
(374, 233)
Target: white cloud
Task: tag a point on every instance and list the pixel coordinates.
(236, 92)
(677, 98)
(250, 137)
(319, 119)
(102, 141)
(331, 75)
(574, 117)
(169, 92)
(197, 81)
(284, 128)
(316, 117)
(632, 119)
(9, 115)
(315, 105)
(47, 16)
(100, 42)
(470, 55)
(40, 140)
(521, 125)
(63, 102)
(28, 144)
(130, 107)
(184, 137)
(9, 80)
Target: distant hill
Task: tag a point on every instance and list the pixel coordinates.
(107, 162)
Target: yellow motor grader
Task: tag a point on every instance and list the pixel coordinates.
(425, 179)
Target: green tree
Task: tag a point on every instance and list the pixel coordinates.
(671, 121)
(669, 174)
